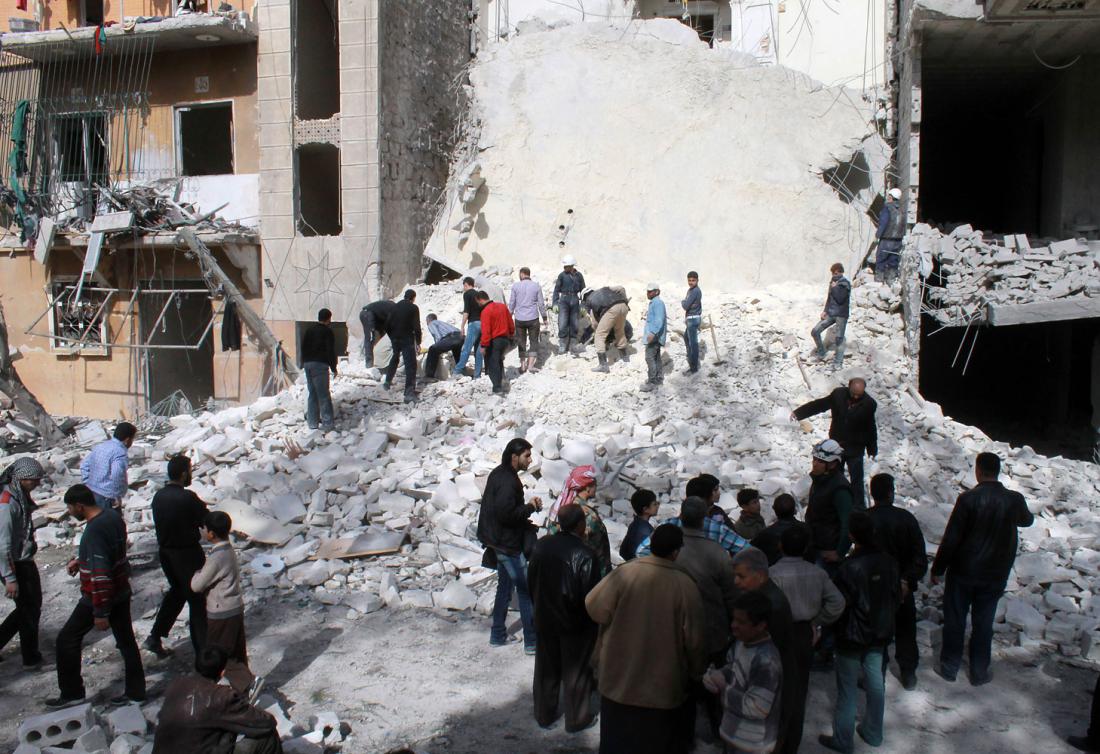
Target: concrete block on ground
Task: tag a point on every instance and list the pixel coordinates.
(94, 740)
(127, 719)
(57, 727)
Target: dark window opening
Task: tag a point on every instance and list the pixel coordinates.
(206, 139)
(316, 59)
(80, 143)
(173, 374)
(93, 12)
(317, 186)
(339, 332)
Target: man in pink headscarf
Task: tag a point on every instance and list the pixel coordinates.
(579, 488)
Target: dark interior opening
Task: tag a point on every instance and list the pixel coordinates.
(1024, 384)
(318, 189)
(93, 13)
(81, 148)
(206, 139)
(168, 370)
(339, 331)
(316, 59)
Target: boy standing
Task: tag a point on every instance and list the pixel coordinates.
(693, 318)
(751, 523)
(645, 505)
(220, 579)
(750, 684)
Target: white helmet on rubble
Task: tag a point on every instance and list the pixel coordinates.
(894, 193)
(568, 261)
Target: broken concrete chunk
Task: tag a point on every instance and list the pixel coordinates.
(319, 461)
(289, 509)
(127, 719)
(456, 596)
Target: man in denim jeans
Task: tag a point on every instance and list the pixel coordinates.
(693, 317)
(835, 313)
(471, 325)
(503, 527)
(318, 356)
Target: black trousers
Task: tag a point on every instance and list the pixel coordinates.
(494, 360)
(563, 672)
(905, 637)
(403, 348)
(854, 462)
(802, 632)
(452, 342)
(71, 637)
(625, 729)
(1094, 720)
(23, 620)
(179, 565)
(370, 335)
(269, 744)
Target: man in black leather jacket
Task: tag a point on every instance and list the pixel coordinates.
(898, 533)
(562, 572)
(977, 552)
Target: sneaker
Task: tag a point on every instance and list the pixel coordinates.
(255, 689)
(830, 743)
(908, 680)
(328, 427)
(410, 397)
(949, 677)
(980, 680)
(123, 699)
(508, 640)
(529, 651)
(34, 664)
(647, 387)
(153, 643)
(61, 702)
(386, 384)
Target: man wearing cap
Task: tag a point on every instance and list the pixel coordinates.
(836, 310)
(829, 505)
(656, 330)
(693, 317)
(17, 550)
(891, 230)
(566, 302)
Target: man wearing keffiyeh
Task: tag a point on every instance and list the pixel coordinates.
(579, 488)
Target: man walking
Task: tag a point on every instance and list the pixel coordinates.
(852, 424)
(976, 554)
(608, 308)
(835, 313)
(445, 337)
(693, 318)
(566, 302)
(652, 645)
(497, 329)
(178, 515)
(869, 581)
(104, 470)
(405, 336)
(890, 232)
(656, 331)
(898, 534)
(375, 318)
(18, 571)
(527, 304)
(563, 570)
(815, 602)
(318, 358)
(471, 326)
(104, 602)
(503, 527)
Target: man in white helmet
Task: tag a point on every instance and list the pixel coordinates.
(891, 230)
(566, 302)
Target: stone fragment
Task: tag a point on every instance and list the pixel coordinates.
(127, 719)
(289, 509)
(453, 523)
(455, 596)
(319, 461)
(93, 740)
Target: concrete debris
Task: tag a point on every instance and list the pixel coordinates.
(127, 719)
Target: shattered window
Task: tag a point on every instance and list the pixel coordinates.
(80, 142)
(79, 324)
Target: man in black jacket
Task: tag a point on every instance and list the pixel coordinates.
(870, 583)
(835, 313)
(503, 527)
(899, 536)
(977, 552)
(317, 356)
(785, 508)
(562, 572)
(178, 515)
(852, 424)
(405, 336)
(374, 317)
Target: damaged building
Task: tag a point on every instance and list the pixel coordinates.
(175, 162)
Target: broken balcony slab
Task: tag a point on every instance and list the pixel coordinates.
(1078, 307)
(372, 542)
(255, 525)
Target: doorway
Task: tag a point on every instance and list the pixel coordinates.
(182, 370)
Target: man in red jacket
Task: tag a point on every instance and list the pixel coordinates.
(497, 330)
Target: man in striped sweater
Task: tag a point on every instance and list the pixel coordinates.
(104, 599)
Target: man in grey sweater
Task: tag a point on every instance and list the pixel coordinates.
(17, 549)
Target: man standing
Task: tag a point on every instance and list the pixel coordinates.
(104, 602)
(503, 527)
(852, 424)
(645, 505)
(405, 336)
(977, 552)
(656, 331)
(445, 337)
(652, 645)
(527, 304)
(471, 325)
(898, 534)
(815, 602)
(374, 317)
(835, 313)
(869, 581)
(750, 523)
(104, 470)
(785, 509)
(608, 308)
(566, 302)
(890, 232)
(562, 572)
(17, 550)
(178, 514)
(318, 358)
(497, 329)
(693, 318)
(829, 505)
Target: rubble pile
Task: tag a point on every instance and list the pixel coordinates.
(1004, 270)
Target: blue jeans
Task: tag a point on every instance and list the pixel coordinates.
(691, 339)
(318, 399)
(569, 317)
(979, 598)
(103, 502)
(849, 665)
(512, 574)
(841, 324)
(472, 343)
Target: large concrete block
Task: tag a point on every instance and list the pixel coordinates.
(58, 727)
(127, 719)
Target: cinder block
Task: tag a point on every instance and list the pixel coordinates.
(58, 727)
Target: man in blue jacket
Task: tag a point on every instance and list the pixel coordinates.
(656, 330)
(835, 313)
(890, 231)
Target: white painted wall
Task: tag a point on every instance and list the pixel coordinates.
(837, 42)
(240, 194)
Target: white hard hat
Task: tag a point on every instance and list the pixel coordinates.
(568, 261)
(895, 193)
(828, 451)
(652, 287)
